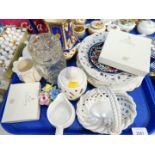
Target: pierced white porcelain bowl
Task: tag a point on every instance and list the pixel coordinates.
(72, 81)
(104, 111)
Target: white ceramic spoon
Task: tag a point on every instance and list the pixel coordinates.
(61, 113)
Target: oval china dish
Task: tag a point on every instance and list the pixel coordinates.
(72, 81)
(103, 75)
(61, 113)
(103, 111)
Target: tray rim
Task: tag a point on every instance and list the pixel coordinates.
(147, 84)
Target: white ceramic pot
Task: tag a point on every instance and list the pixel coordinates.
(25, 70)
(72, 81)
(79, 34)
(146, 27)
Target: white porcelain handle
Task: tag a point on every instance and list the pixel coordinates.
(59, 131)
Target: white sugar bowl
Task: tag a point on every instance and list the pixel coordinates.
(146, 27)
(72, 81)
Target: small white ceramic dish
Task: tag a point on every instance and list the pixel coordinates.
(72, 81)
(127, 26)
(146, 27)
(61, 113)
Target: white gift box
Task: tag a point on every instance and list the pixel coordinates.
(127, 52)
(22, 103)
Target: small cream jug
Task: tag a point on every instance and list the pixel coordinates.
(25, 70)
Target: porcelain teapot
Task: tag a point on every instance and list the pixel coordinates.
(146, 27)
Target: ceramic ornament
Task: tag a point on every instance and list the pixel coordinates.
(104, 111)
(100, 74)
(61, 113)
(48, 94)
(25, 70)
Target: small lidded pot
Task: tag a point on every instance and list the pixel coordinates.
(96, 26)
(79, 31)
(72, 81)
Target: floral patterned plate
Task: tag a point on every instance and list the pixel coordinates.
(94, 54)
(116, 80)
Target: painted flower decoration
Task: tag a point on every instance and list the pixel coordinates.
(47, 88)
(53, 93)
(44, 98)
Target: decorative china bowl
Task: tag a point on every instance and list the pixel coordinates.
(103, 111)
(126, 24)
(72, 81)
(103, 75)
(146, 27)
(96, 26)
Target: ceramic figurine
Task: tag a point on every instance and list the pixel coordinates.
(63, 30)
(146, 27)
(72, 81)
(61, 113)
